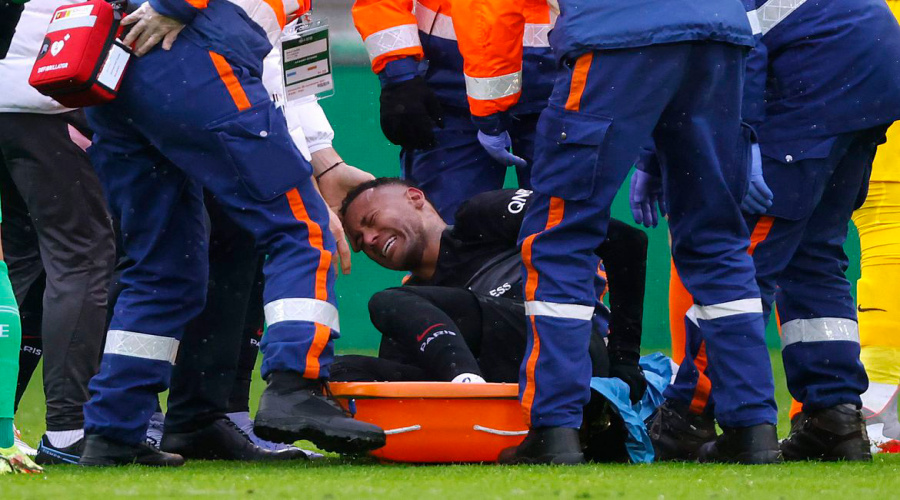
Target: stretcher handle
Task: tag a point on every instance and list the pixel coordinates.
(499, 432)
(401, 430)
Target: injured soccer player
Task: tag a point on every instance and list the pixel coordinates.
(460, 315)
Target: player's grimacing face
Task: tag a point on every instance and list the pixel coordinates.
(384, 224)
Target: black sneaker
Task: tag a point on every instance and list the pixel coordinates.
(753, 445)
(47, 454)
(546, 445)
(678, 434)
(222, 440)
(293, 408)
(103, 452)
(836, 433)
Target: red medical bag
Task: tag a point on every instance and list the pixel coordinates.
(80, 62)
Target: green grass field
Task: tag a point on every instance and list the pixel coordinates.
(334, 478)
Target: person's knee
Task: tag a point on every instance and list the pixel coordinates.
(385, 304)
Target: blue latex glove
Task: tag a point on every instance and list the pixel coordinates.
(759, 197)
(645, 196)
(498, 147)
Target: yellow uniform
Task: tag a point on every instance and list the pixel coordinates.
(878, 302)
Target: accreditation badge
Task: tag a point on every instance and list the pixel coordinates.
(306, 59)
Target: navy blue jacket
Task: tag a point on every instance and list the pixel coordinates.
(825, 68)
(586, 25)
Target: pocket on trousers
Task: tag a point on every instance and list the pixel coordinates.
(567, 153)
(261, 151)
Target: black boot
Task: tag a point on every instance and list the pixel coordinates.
(545, 445)
(103, 452)
(836, 433)
(603, 433)
(754, 445)
(222, 440)
(678, 434)
(293, 408)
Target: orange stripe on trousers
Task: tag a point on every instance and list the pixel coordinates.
(680, 298)
(230, 80)
(579, 81)
(554, 217)
(317, 241)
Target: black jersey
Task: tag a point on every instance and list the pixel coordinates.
(480, 252)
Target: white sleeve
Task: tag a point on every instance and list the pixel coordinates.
(272, 81)
(308, 125)
(308, 117)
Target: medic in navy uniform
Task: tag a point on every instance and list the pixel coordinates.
(192, 114)
(670, 71)
(822, 89)
(433, 106)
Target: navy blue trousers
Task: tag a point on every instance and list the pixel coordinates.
(605, 106)
(800, 262)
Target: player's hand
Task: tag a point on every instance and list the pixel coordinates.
(645, 198)
(150, 28)
(409, 113)
(343, 248)
(631, 374)
(338, 181)
(14, 461)
(497, 146)
(759, 197)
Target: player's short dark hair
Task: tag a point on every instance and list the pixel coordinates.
(374, 183)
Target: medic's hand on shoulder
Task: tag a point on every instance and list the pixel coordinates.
(409, 108)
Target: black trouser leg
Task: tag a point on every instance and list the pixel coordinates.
(207, 363)
(31, 312)
(67, 212)
(438, 327)
(239, 400)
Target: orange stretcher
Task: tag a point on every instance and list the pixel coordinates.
(437, 422)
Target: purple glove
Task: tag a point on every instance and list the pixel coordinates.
(759, 197)
(646, 195)
(498, 147)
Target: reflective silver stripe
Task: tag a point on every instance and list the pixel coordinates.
(754, 22)
(819, 330)
(316, 311)
(391, 39)
(485, 89)
(715, 311)
(555, 310)
(141, 345)
(773, 12)
(441, 26)
(435, 24)
(536, 35)
(72, 22)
